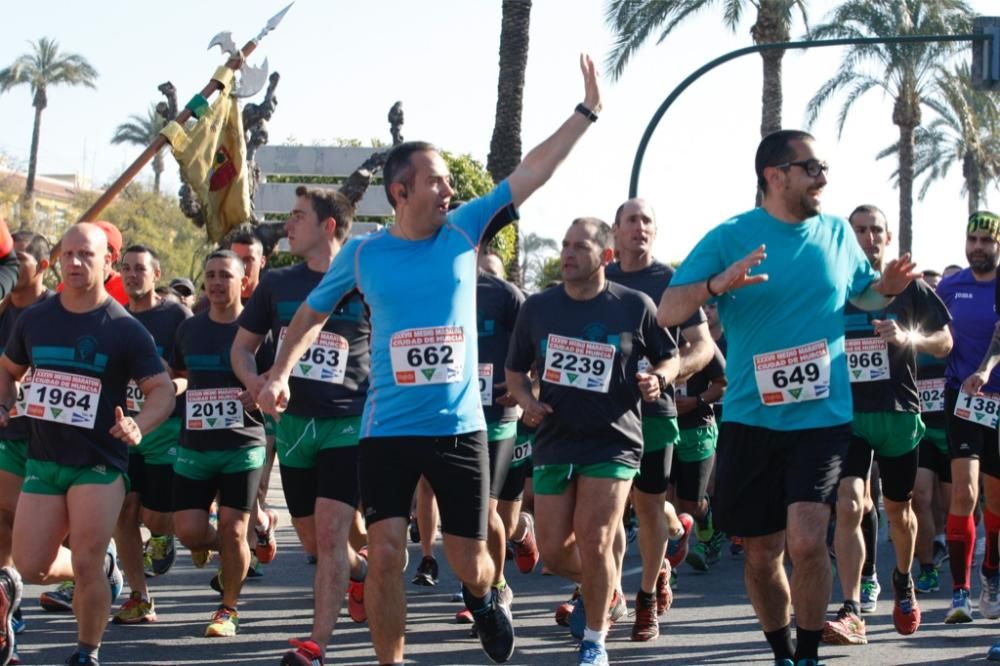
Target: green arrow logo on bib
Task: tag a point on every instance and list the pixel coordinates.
(56, 412)
(857, 373)
(428, 373)
(211, 422)
(305, 368)
(979, 415)
(572, 377)
(796, 392)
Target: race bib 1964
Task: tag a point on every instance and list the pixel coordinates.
(433, 355)
(867, 359)
(63, 397)
(578, 363)
(793, 375)
(214, 409)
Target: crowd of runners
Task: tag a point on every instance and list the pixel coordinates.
(404, 384)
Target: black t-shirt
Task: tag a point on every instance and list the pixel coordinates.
(497, 305)
(18, 427)
(703, 414)
(589, 345)
(80, 365)
(653, 281)
(162, 321)
(917, 308)
(202, 350)
(343, 350)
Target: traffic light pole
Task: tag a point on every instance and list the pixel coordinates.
(633, 188)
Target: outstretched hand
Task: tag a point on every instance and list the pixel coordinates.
(591, 91)
(897, 276)
(738, 275)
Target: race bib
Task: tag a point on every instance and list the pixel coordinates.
(867, 359)
(931, 393)
(20, 406)
(433, 355)
(578, 363)
(63, 397)
(979, 409)
(214, 409)
(486, 384)
(680, 389)
(793, 375)
(522, 452)
(324, 361)
(134, 399)
(644, 364)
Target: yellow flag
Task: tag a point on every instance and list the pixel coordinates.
(212, 159)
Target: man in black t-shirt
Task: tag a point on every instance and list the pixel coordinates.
(881, 348)
(83, 348)
(587, 336)
(151, 464)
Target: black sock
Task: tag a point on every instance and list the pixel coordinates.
(88, 650)
(900, 581)
(852, 606)
(807, 643)
(645, 599)
(869, 530)
(781, 642)
(474, 603)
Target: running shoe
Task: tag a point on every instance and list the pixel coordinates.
(427, 572)
(136, 610)
(928, 581)
(216, 582)
(677, 547)
(989, 595)
(941, 554)
(162, 553)
(267, 545)
(10, 599)
(306, 653)
(697, 558)
(80, 659)
(905, 611)
(254, 569)
(564, 609)
(646, 626)
(994, 653)
(201, 557)
(356, 595)
(592, 654)
(225, 622)
(464, 616)
(18, 621)
(496, 630)
(414, 530)
(526, 550)
(736, 546)
(60, 599)
(961, 609)
(870, 590)
(846, 629)
(664, 595)
(505, 595)
(115, 578)
(713, 549)
(617, 611)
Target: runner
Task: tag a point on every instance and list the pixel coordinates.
(83, 348)
(881, 350)
(635, 231)
(423, 414)
(588, 336)
(317, 437)
(151, 464)
(972, 443)
(222, 442)
(788, 379)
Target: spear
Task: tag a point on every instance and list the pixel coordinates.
(234, 63)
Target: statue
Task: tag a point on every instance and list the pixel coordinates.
(356, 184)
(255, 117)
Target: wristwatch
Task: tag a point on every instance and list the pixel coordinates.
(664, 384)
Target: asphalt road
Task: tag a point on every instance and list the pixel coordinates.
(711, 622)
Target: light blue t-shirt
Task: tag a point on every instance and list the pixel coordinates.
(813, 268)
(422, 300)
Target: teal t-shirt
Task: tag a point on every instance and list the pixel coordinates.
(813, 268)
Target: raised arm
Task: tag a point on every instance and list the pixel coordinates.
(542, 161)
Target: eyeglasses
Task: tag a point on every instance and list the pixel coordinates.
(812, 167)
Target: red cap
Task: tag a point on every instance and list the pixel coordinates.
(114, 238)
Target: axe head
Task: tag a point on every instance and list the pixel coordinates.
(252, 80)
(224, 40)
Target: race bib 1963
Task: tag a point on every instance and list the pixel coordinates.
(931, 393)
(214, 409)
(578, 363)
(433, 355)
(979, 409)
(486, 384)
(793, 375)
(867, 359)
(63, 397)
(324, 361)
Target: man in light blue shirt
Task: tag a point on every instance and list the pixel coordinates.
(786, 423)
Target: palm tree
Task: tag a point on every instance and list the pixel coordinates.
(142, 131)
(505, 146)
(902, 71)
(966, 131)
(533, 249)
(42, 68)
(633, 21)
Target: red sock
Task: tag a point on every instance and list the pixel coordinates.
(992, 558)
(961, 535)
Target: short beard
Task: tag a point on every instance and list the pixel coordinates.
(983, 266)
